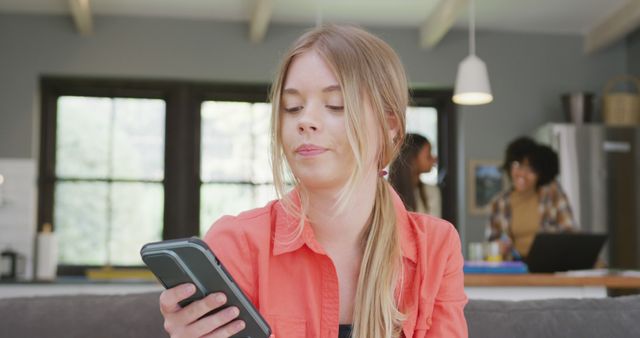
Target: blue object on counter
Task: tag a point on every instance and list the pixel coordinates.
(495, 267)
(516, 255)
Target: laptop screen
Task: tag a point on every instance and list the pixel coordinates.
(552, 252)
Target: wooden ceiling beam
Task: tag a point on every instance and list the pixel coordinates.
(260, 20)
(440, 21)
(613, 28)
(81, 13)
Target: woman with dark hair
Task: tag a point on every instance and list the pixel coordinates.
(415, 158)
(534, 203)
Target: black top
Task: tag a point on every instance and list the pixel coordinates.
(344, 331)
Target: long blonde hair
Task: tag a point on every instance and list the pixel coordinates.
(366, 69)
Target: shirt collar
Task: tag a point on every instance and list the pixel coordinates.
(286, 226)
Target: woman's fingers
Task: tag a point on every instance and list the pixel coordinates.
(192, 320)
(227, 330)
(217, 324)
(197, 309)
(170, 298)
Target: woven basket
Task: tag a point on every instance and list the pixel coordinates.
(621, 108)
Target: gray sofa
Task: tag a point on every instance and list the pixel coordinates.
(137, 315)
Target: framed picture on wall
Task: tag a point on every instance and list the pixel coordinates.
(486, 181)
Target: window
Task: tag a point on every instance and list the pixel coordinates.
(234, 167)
(108, 194)
(123, 163)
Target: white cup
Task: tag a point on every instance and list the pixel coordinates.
(476, 251)
(493, 252)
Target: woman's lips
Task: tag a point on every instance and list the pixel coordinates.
(310, 150)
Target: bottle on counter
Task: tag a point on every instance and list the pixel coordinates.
(47, 254)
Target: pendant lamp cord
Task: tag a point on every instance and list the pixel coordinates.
(472, 27)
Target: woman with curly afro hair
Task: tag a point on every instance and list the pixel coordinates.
(533, 203)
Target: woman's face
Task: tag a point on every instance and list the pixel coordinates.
(523, 176)
(425, 160)
(314, 134)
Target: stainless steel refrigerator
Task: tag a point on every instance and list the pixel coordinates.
(600, 173)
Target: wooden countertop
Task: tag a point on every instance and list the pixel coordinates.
(549, 279)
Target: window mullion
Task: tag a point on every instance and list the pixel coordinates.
(181, 164)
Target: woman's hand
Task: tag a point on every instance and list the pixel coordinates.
(189, 321)
(505, 246)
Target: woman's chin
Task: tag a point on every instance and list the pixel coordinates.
(321, 182)
(523, 189)
(316, 184)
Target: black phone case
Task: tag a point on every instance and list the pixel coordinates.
(189, 260)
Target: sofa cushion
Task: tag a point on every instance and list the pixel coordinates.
(605, 317)
(137, 315)
(131, 315)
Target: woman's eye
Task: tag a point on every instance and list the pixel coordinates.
(292, 109)
(335, 108)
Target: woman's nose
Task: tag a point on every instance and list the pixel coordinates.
(307, 126)
(309, 119)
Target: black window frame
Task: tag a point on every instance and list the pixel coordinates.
(182, 141)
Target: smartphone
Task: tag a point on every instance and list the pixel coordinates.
(189, 260)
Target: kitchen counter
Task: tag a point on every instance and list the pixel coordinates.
(545, 286)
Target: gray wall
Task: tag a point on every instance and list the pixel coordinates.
(528, 72)
(633, 42)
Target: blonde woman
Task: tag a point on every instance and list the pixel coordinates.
(338, 255)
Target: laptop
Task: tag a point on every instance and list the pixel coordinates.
(553, 252)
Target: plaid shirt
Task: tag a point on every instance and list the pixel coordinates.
(556, 215)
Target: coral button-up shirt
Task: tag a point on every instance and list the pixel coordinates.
(294, 284)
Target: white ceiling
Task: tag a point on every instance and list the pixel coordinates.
(542, 16)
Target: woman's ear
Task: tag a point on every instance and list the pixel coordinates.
(392, 122)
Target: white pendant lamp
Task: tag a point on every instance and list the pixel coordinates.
(472, 82)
